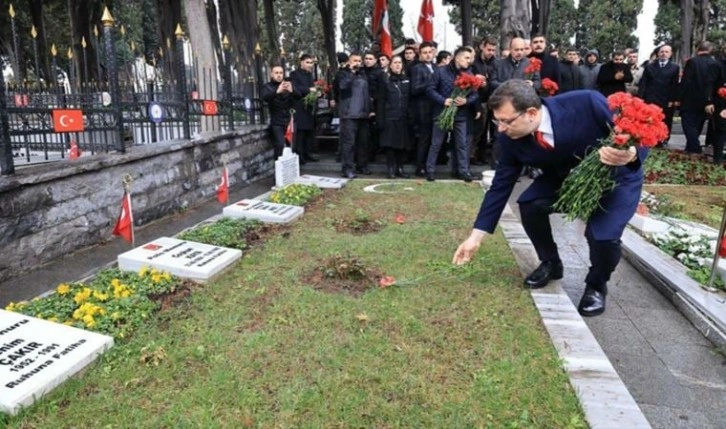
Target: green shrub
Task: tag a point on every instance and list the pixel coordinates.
(295, 194)
(226, 232)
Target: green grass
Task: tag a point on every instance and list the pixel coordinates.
(448, 348)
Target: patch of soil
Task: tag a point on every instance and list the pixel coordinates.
(321, 200)
(258, 236)
(167, 300)
(703, 204)
(343, 274)
(358, 226)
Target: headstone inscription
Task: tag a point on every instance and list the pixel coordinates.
(263, 211)
(37, 355)
(322, 181)
(186, 259)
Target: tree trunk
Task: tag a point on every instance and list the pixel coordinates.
(238, 19)
(700, 29)
(327, 15)
(686, 28)
(515, 19)
(36, 16)
(542, 18)
(205, 66)
(271, 26)
(169, 16)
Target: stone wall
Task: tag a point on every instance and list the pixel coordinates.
(54, 209)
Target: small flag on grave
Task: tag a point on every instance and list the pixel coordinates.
(223, 188)
(125, 223)
(290, 130)
(75, 151)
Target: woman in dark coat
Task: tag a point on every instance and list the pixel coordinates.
(392, 115)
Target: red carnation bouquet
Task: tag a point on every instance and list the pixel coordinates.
(636, 124)
(534, 67)
(549, 87)
(463, 85)
(321, 88)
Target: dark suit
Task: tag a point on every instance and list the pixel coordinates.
(302, 81)
(579, 120)
(606, 81)
(700, 76)
(422, 107)
(659, 86)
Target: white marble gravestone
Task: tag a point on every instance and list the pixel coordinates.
(37, 355)
(322, 181)
(263, 211)
(647, 224)
(287, 168)
(186, 259)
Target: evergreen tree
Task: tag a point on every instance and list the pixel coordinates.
(356, 29)
(608, 26)
(563, 24)
(485, 21)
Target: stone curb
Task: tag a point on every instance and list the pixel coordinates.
(705, 310)
(606, 401)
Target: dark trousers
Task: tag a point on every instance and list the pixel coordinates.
(423, 143)
(718, 145)
(304, 140)
(460, 148)
(394, 158)
(278, 138)
(692, 122)
(354, 143)
(604, 254)
(668, 112)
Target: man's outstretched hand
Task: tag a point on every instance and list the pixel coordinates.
(468, 248)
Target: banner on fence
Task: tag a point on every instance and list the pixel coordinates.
(67, 120)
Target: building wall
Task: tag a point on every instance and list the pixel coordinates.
(54, 209)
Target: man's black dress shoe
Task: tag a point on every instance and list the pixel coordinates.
(467, 177)
(592, 303)
(429, 177)
(420, 172)
(547, 270)
(400, 173)
(348, 174)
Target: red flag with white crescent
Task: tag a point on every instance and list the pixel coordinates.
(223, 188)
(385, 40)
(290, 130)
(125, 223)
(426, 21)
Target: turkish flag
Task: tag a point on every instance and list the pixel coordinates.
(378, 8)
(125, 223)
(290, 130)
(722, 248)
(385, 39)
(426, 21)
(67, 120)
(209, 107)
(223, 188)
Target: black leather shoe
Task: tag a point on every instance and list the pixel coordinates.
(348, 174)
(400, 173)
(592, 303)
(420, 172)
(548, 270)
(429, 177)
(466, 177)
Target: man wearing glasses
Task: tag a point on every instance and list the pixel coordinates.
(553, 134)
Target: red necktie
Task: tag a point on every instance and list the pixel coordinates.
(539, 138)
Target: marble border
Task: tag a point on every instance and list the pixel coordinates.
(604, 398)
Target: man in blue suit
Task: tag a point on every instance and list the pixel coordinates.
(566, 127)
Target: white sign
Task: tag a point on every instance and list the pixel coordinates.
(37, 355)
(263, 211)
(287, 168)
(186, 259)
(322, 181)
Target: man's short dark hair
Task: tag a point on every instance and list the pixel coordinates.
(342, 57)
(355, 54)
(462, 49)
(370, 53)
(489, 40)
(409, 48)
(618, 54)
(536, 35)
(409, 42)
(425, 45)
(704, 46)
(384, 56)
(572, 49)
(435, 44)
(516, 91)
(304, 57)
(442, 55)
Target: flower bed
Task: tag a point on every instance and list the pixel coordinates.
(296, 194)
(226, 232)
(675, 167)
(113, 303)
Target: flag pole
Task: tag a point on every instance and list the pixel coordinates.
(717, 255)
(226, 178)
(128, 179)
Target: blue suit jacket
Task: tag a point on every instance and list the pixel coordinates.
(579, 120)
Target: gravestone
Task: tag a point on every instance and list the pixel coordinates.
(186, 259)
(37, 355)
(322, 181)
(287, 168)
(263, 211)
(647, 224)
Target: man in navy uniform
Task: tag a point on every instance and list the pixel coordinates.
(554, 134)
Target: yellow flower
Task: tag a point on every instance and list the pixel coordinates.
(89, 321)
(53, 319)
(100, 296)
(82, 296)
(115, 315)
(63, 289)
(143, 271)
(115, 283)
(68, 323)
(156, 278)
(10, 307)
(166, 276)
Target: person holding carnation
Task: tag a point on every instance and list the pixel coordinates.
(555, 134)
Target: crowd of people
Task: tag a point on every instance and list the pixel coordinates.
(391, 104)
